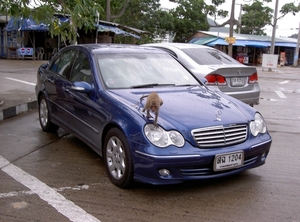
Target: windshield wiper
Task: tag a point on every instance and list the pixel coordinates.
(150, 85)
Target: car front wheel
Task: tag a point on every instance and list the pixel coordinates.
(117, 158)
(44, 116)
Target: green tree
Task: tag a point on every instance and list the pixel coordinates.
(190, 16)
(82, 14)
(145, 15)
(255, 18)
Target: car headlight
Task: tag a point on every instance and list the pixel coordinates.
(162, 138)
(258, 125)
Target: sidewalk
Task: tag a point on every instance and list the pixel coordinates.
(17, 82)
(18, 79)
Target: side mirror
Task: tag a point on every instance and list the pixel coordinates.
(82, 86)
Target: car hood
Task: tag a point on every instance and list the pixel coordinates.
(189, 108)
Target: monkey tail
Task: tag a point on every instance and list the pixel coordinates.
(142, 97)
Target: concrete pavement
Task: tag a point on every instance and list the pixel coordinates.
(17, 82)
(18, 79)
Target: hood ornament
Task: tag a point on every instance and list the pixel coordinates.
(218, 115)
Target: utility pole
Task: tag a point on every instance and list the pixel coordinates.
(272, 50)
(97, 21)
(240, 14)
(108, 10)
(240, 18)
(296, 57)
(231, 24)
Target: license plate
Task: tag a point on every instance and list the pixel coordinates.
(237, 81)
(227, 161)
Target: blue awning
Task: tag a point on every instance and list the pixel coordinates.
(28, 24)
(220, 41)
(25, 24)
(257, 44)
(114, 29)
(203, 40)
(244, 43)
(286, 44)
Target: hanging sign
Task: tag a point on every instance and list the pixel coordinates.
(230, 40)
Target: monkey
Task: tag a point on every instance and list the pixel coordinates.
(153, 103)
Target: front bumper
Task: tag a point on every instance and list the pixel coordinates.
(195, 166)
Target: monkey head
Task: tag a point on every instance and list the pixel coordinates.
(153, 105)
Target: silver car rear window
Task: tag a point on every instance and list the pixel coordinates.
(209, 56)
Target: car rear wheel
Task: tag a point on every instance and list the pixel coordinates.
(44, 116)
(117, 158)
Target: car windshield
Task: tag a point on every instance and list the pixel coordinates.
(205, 56)
(137, 70)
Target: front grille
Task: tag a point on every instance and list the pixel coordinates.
(218, 136)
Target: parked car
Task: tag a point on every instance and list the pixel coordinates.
(97, 92)
(221, 71)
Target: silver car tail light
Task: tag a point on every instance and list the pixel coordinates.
(215, 79)
(253, 78)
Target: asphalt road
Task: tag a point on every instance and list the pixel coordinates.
(56, 177)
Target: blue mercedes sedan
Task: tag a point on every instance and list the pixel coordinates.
(99, 93)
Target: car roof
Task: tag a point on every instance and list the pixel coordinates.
(111, 48)
(178, 45)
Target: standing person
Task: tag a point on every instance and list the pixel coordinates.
(48, 50)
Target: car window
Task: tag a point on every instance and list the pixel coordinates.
(131, 70)
(207, 56)
(81, 69)
(63, 64)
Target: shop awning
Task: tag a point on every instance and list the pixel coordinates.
(25, 24)
(220, 41)
(28, 24)
(286, 44)
(257, 44)
(116, 30)
(203, 40)
(244, 43)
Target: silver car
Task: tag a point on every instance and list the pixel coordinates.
(217, 69)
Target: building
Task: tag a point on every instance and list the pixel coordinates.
(25, 38)
(249, 48)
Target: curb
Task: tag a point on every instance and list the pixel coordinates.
(18, 109)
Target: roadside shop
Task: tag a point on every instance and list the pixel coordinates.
(23, 38)
(249, 49)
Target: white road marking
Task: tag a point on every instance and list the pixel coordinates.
(285, 82)
(17, 80)
(46, 193)
(280, 94)
(22, 193)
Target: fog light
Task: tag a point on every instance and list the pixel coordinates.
(164, 172)
(263, 157)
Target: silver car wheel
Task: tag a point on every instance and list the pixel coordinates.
(115, 157)
(45, 116)
(43, 112)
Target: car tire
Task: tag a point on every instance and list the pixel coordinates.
(44, 116)
(117, 157)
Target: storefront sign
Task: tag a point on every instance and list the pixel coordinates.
(25, 51)
(269, 61)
